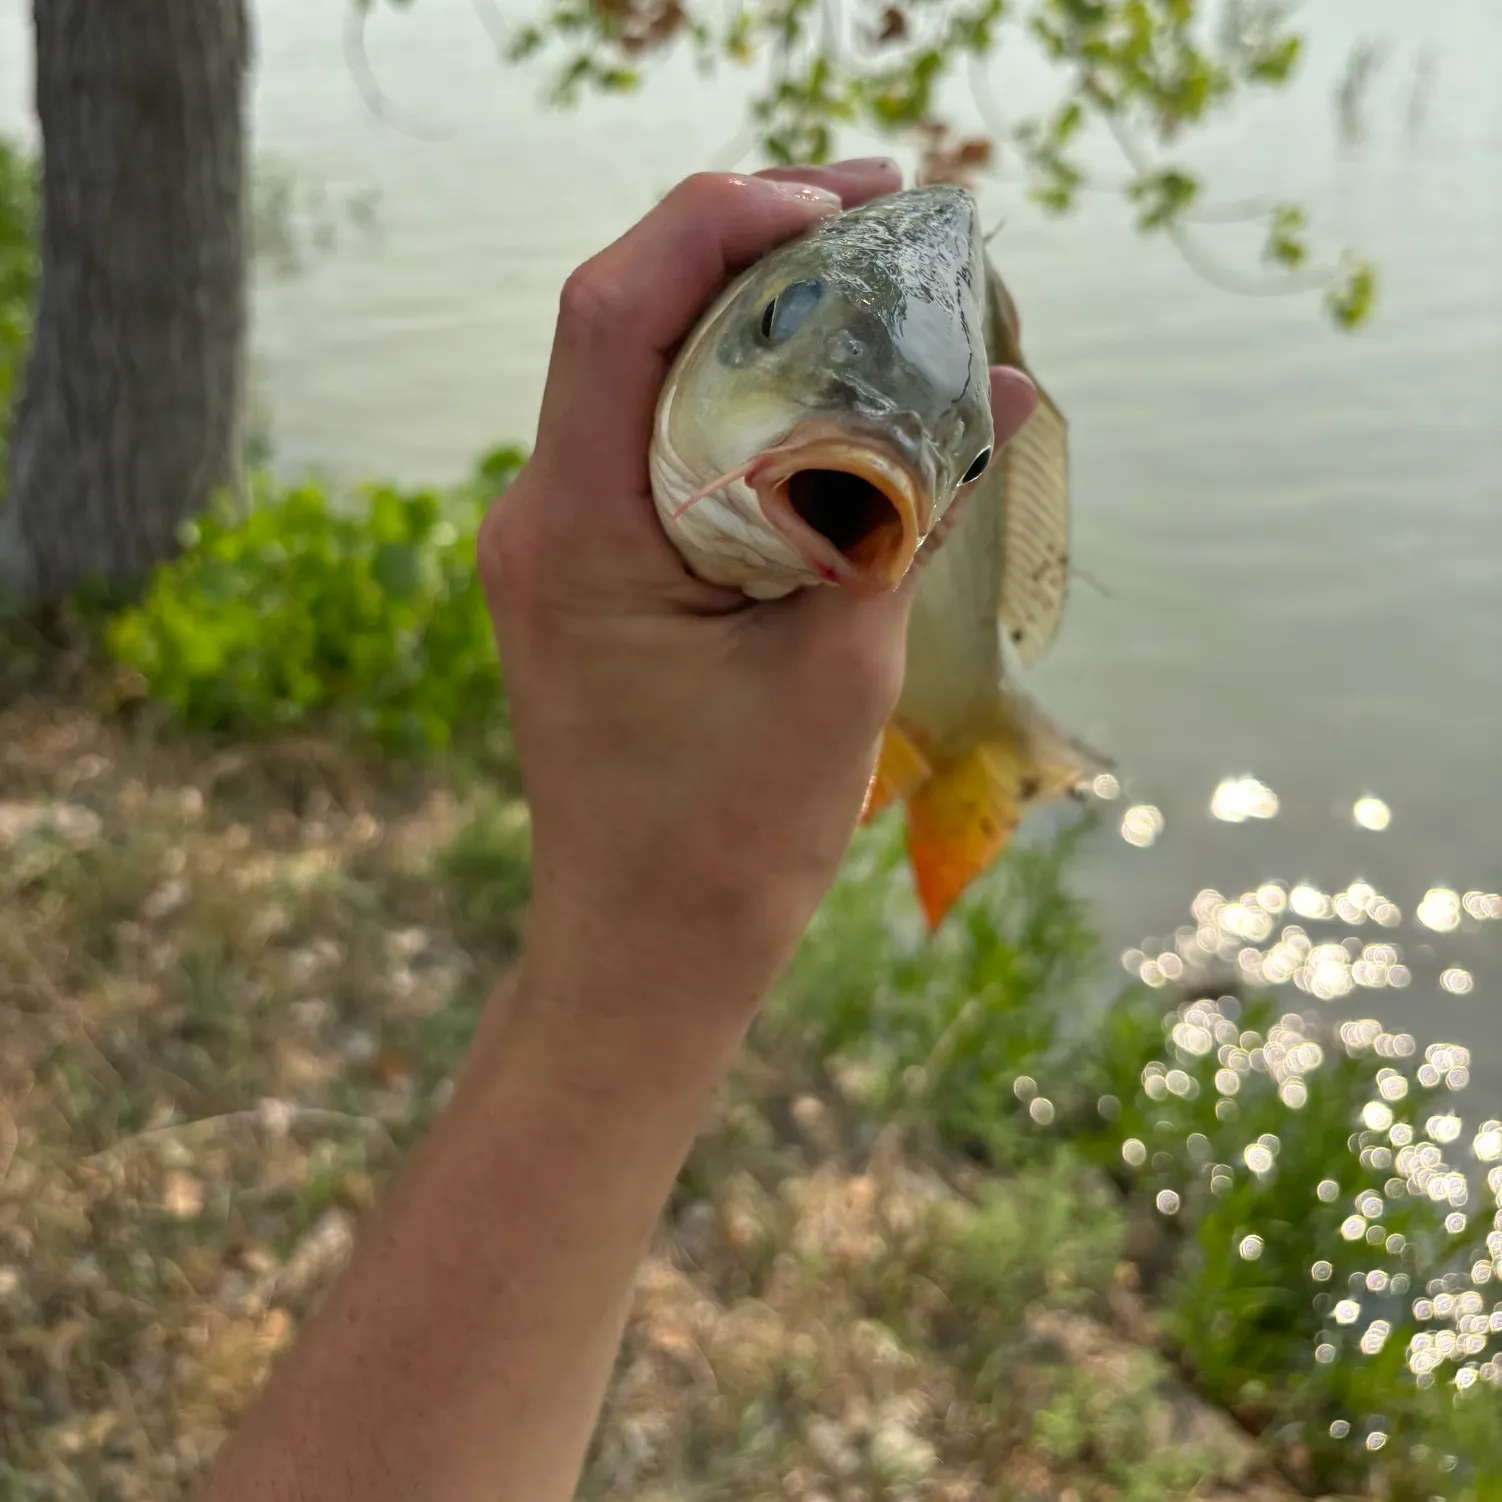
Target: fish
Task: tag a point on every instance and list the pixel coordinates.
(827, 423)
(821, 416)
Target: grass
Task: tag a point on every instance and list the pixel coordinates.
(234, 986)
(236, 978)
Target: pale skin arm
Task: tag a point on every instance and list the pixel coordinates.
(695, 768)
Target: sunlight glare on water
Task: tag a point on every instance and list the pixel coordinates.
(1238, 799)
(1371, 813)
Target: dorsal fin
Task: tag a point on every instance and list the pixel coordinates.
(1035, 502)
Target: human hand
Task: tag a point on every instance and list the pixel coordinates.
(695, 762)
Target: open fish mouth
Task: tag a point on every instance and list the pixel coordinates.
(855, 512)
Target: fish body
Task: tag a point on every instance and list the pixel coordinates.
(967, 751)
(829, 421)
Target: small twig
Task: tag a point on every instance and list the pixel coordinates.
(277, 1116)
(1362, 66)
(489, 14)
(376, 100)
(1235, 211)
(1086, 577)
(10, 1141)
(1217, 275)
(1418, 99)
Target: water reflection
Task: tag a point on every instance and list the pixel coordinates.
(1238, 799)
(1371, 813)
(1141, 825)
(1244, 930)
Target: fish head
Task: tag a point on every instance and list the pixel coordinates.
(826, 410)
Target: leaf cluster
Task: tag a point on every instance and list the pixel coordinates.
(360, 611)
(1146, 72)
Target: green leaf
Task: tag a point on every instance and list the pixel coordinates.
(398, 570)
(526, 42)
(1067, 122)
(1277, 65)
(1163, 196)
(1286, 245)
(1350, 303)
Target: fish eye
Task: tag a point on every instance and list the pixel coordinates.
(977, 467)
(785, 313)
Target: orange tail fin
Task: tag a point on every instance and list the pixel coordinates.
(964, 814)
(958, 823)
(900, 770)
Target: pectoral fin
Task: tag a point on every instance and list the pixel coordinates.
(901, 768)
(1035, 572)
(1033, 476)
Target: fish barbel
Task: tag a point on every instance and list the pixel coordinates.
(818, 426)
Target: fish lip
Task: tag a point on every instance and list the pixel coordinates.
(869, 457)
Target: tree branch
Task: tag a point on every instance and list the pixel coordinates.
(1217, 274)
(1235, 211)
(357, 56)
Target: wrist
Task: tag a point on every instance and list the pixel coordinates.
(589, 1027)
(701, 961)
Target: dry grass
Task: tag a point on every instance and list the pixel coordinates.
(233, 984)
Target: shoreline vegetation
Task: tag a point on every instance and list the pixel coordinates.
(967, 1223)
(970, 1221)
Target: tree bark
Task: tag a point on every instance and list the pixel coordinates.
(129, 416)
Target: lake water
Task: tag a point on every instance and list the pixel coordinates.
(1300, 533)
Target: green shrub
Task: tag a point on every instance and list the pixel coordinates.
(941, 1028)
(1055, 1232)
(1050, 1234)
(363, 612)
(1108, 1427)
(18, 278)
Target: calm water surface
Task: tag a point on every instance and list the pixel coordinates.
(1300, 533)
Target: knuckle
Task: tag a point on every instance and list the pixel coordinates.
(592, 301)
(705, 192)
(503, 554)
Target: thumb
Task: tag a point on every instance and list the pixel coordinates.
(846, 652)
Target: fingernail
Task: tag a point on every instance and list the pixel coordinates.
(803, 193)
(863, 164)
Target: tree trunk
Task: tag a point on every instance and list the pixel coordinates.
(129, 416)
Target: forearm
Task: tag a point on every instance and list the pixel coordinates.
(466, 1351)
